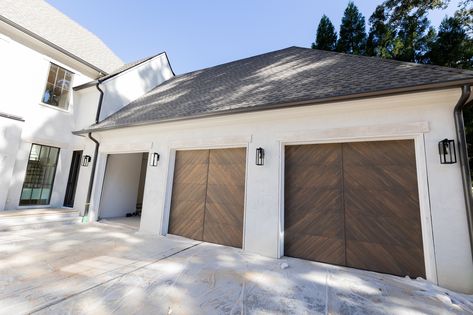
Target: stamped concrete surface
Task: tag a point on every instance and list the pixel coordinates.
(105, 268)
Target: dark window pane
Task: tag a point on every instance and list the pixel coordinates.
(53, 155)
(39, 177)
(52, 74)
(57, 88)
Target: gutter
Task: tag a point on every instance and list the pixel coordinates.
(94, 162)
(463, 154)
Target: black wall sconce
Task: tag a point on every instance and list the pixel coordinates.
(86, 160)
(154, 159)
(260, 156)
(448, 154)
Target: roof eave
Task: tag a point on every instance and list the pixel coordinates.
(379, 93)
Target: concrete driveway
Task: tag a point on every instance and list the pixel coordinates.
(107, 268)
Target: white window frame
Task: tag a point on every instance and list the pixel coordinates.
(43, 90)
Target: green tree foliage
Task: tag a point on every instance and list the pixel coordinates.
(352, 37)
(326, 37)
(414, 34)
(402, 9)
(452, 46)
(413, 37)
(465, 15)
(382, 35)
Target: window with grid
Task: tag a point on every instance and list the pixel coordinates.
(58, 86)
(40, 173)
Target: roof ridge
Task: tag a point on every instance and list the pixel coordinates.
(409, 63)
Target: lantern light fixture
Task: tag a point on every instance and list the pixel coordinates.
(259, 156)
(447, 152)
(154, 159)
(86, 160)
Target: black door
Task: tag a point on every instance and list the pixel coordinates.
(72, 181)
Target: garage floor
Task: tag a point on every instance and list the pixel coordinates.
(101, 269)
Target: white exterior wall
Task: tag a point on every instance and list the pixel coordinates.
(133, 83)
(10, 139)
(24, 65)
(425, 117)
(120, 187)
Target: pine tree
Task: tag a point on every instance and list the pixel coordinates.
(399, 9)
(352, 38)
(413, 32)
(326, 37)
(465, 15)
(412, 38)
(381, 36)
(452, 46)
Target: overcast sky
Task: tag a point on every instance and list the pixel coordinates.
(203, 33)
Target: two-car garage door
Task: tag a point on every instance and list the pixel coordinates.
(208, 195)
(354, 204)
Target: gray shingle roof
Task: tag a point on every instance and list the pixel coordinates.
(289, 76)
(45, 21)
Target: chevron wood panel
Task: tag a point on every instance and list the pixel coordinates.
(223, 223)
(188, 194)
(396, 260)
(354, 204)
(383, 229)
(313, 218)
(318, 248)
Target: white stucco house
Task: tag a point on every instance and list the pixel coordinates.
(39, 110)
(348, 160)
(39, 66)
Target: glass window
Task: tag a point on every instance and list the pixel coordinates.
(58, 87)
(39, 178)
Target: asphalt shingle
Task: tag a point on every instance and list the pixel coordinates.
(288, 76)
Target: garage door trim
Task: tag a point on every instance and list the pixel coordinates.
(424, 201)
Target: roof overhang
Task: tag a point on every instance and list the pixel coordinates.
(351, 97)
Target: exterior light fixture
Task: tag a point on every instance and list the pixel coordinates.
(448, 154)
(154, 159)
(86, 160)
(260, 156)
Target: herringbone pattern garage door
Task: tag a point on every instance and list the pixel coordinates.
(208, 196)
(313, 202)
(355, 204)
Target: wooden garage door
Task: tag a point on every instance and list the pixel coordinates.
(208, 195)
(355, 204)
